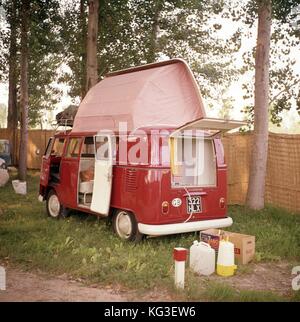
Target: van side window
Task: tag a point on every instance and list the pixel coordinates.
(58, 147)
(73, 148)
(88, 148)
(102, 147)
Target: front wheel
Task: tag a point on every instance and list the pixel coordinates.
(125, 226)
(53, 206)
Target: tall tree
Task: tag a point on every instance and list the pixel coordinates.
(83, 45)
(155, 28)
(25, 6)
(284, 79)
(12, 114)
(92, 36)
(266, 10)
(258, 167)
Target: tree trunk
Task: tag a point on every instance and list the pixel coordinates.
(12, 115)
(258, 166)
(24, 90)
(151, 57)
(92, 66)
(83, 43)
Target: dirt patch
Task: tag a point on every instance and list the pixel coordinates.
(24, 286)
(273, 277)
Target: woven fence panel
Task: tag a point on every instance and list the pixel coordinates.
(5, 134)
(237, 147)
(283, 174)
(283, 169)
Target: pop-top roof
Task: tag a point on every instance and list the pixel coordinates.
(164, 93)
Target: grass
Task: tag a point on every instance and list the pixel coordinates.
(277, 231)
(84, 247)
(224, 293)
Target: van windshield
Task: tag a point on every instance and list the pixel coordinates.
(193, 162)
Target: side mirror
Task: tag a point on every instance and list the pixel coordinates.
(37, 151)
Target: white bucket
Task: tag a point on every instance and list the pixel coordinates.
(20, 187)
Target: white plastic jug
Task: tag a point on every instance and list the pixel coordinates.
(225, 262)
(202, 258)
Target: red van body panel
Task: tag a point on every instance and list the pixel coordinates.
(142, 189)
(152, 187)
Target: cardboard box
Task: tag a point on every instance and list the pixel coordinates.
(244, 245)
(212, 237)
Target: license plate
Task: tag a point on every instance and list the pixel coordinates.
(194, 205)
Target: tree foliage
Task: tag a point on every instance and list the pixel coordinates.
(73, 33)
(44, 57)
(284, 80)
(133, 32)
(44, 54)
(4, 43)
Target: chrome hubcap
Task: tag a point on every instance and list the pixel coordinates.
(54, 206)
(123, 225)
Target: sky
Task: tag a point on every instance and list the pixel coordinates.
(234, 91)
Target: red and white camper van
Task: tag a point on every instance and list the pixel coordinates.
(141, 151)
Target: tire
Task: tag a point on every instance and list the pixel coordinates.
(125, 226)
(54, 207)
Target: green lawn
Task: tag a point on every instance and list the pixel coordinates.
(85, 247)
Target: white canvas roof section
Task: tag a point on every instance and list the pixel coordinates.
(164, 93)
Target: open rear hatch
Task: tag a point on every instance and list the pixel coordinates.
(194, 166)
(211, 126)
(193, 157)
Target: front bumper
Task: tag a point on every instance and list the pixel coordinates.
(169, 229)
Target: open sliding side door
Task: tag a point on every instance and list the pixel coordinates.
(46, 162)
(104, 148)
